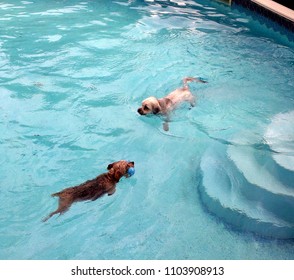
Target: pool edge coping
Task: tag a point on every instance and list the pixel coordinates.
(276, 8)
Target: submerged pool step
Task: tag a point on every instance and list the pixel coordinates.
(224, 192)
(244, 159)
(279, 135)
(262, 183)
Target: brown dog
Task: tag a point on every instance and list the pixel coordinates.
(93, 189)
(165, 105)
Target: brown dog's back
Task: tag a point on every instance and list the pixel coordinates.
(89, 190)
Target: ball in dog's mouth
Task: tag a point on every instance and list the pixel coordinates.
(131, 171)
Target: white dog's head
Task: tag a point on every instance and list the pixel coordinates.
(150, 106)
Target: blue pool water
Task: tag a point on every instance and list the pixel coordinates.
(217, 185)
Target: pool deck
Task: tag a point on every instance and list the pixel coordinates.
(276, 8)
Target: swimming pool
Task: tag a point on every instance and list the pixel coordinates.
(217, 185)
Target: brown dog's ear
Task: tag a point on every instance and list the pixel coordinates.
(109, 166)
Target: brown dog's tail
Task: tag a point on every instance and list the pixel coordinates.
(192, 79)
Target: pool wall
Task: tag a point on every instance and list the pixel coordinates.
(272, 10)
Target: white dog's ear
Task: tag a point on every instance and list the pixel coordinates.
(155, 110)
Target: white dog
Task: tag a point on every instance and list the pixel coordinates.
(165, 105)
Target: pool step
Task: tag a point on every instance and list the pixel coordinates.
(256, 174)
(279, 135)
(262, 183)
(227, 193)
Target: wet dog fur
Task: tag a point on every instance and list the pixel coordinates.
(92, 189)
(163, 106)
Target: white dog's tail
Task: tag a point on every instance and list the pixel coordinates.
(191, 79)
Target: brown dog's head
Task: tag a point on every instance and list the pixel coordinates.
(150, 106)
(120, 168)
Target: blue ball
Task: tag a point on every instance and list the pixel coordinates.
(131, 171)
